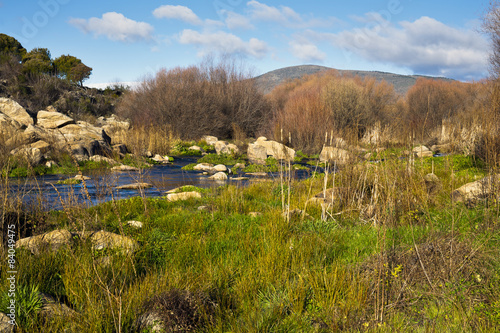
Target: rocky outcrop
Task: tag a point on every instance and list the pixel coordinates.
(52, 240)
(422, 151)
(209, 139)
(52, 119)
(432, 183)
(32, 156)
(16, 112)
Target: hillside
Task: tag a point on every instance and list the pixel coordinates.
(266, 82)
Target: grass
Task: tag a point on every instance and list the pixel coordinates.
(420, 263)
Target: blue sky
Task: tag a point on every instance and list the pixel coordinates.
(127, 40)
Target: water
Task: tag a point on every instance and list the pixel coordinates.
(103, 184)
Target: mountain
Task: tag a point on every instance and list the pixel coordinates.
(402, 83)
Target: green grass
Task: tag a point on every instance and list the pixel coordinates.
(268, 274)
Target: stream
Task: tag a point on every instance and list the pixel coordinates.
(102, 186)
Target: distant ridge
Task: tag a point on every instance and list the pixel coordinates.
(402, 83)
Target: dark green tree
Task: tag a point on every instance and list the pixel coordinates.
(9, 46)
(72, 69)
(37, 61)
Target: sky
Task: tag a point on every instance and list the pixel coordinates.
(127, 41)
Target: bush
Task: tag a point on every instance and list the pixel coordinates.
(216, 99)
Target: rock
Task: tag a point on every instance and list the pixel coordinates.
(422, 151)
(42, 145)
(255, 214)
(239, 166)
(81, 177)
(210, 140)
(335, 155)
(203, 208)
(218, 176)
(120, 148)
(220, 168)
(115, 128)
(124, 168)
(443, 149)
(14, 111)
(100, 159)
(432, 183)
(52, 240)
(196, 148)
(161, 159)
(150, 322)
(183, 196)
(257, 154)
(204, 167)
(240, 178)
(34, 133)
(222, 147)
(51, 120)
(277, 150)
(134, 186)
(50, 164)
(5, 324)
(257, 174)
(135, 224)
(83, 131)
(472, 193)
(52, 309)
(9, 128)
(107, 240)
(33, 156)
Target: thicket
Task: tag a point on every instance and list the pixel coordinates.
(35, 80)
(215, 97)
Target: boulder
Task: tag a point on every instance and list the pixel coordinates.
(13, 110)
(161, 159)
(335, 155)
(107, 240)
(196, 148)
(52, 309)
(52, 240)
(120, 148)
(220, 168)
(277, 150)
(100, 159)
(222, 147)
(52, 119)
(257, 153)
(239, 166)
(33, 156)
(422, 151)
(472, 193)
(183, 196)
(135, 224)
(134, 186)
(43, 146)
(218, 176)
(124, 168)
(210, 140)
(5, 324)
(9, 128)
(204, 167)
(114, 127)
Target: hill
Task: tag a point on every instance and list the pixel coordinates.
(402, 83)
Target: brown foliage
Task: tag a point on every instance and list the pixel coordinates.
(206, 99)
(308, 108)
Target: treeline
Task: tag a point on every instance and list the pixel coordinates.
(36, 80)
(218, 98)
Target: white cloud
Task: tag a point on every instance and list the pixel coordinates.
(307, 51)
(285, 16)
(425, 46)
(223, 42)
(115, 26)
(237, 21)
(179, 12)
